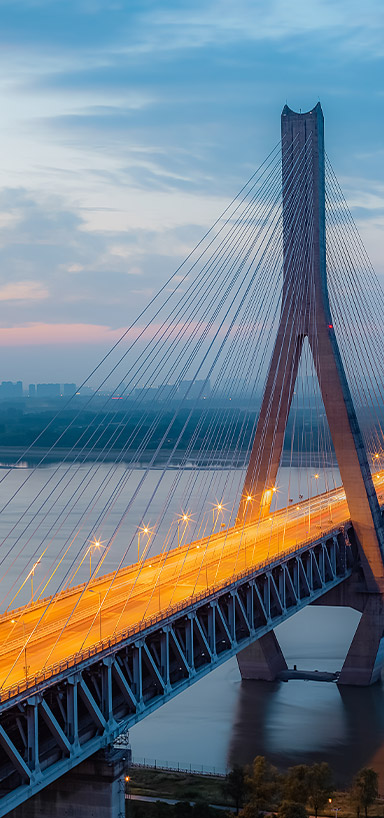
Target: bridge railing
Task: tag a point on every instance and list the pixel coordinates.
(105, 645)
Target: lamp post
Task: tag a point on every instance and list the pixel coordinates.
(95, 544)
(216, 508)
(32, 574)
(92, 591)
(334, 809)
(144, 530)
(185, 518)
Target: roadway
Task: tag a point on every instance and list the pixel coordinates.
(47, 632)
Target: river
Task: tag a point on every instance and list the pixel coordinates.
(222, 720)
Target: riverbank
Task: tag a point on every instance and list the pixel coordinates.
(19, 457)
(175, 789)
(177, 786)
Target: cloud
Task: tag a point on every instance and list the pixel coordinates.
(23, 291)
(131, 125)
(40, 334)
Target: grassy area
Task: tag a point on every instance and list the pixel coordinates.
(209, 789)
(178, 785)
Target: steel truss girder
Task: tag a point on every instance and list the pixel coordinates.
(46, 732)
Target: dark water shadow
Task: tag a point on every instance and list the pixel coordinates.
(304, 722)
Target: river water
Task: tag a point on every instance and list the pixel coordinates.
(222, 720)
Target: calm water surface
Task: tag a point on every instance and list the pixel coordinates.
(221, 719)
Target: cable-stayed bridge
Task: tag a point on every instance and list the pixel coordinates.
(189, 566)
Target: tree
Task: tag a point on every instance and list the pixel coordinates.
(235, 786)
(201, 810)
(292, 809)
(182, 809)
(250, 810)
(162, 809)
(320, 786)
(263, 783)
(364, 789)
(296, 784)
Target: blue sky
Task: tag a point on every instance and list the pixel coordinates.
(127, 127)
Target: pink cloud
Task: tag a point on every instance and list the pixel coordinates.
(42, 334)
(39, 334)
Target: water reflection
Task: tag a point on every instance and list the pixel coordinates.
(303, 722)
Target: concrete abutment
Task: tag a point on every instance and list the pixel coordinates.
(93, 789)
(262, 660)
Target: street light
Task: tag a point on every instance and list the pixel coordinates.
(31, 574)
(184, 518)
(92, 591)
(95, 544)
(218, 507)
(144, 530)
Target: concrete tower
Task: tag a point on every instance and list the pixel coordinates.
(305, 313)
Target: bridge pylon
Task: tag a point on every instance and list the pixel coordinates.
(305, 313)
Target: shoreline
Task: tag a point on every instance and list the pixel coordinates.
(16, 457)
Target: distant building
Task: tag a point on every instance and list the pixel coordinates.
(32, 390)
(193, 390)
(69, 389)
(48, 390)
(85, 391)
(167, 392)
(8, 389)
(146, 394)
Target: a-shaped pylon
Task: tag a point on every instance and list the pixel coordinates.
(305, 313)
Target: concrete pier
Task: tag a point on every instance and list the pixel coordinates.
(94, 789)
(262, 660)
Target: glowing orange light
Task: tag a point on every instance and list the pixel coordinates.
(274, 489)
(316, 476)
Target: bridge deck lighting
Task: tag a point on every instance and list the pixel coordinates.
(95, 544)
(144, 529)
(183, 518)
(32, 574)
(316, 476)
(217, 508)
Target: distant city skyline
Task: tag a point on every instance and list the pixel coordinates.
(127, 128)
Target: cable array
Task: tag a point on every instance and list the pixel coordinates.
(163, 467)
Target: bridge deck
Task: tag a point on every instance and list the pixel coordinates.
(33, 638)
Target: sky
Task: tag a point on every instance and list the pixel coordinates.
(128, 125)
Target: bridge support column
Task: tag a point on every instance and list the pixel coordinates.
(94, 789)
(365, 658)
(262, 659)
